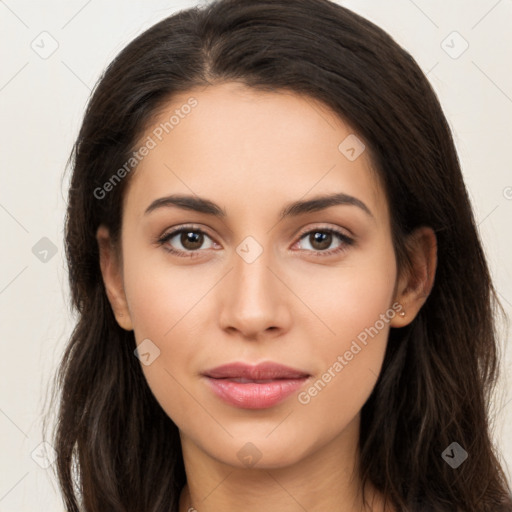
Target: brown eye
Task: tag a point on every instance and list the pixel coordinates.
(187, 242)
(323, 241)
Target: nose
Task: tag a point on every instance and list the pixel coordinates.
(255, 302)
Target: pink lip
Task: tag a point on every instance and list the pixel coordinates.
(270, 383)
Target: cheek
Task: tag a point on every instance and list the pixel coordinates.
(161, 307)
(160, 295)
(355, 306)
(168, 307)
(351, 297)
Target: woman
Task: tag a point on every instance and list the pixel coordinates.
(283, 302)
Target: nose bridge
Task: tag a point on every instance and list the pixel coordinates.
(253, 300)
(251, 278)
(251, 273)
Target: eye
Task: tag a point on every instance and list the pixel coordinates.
(320, 241)
(188, 241)
(185, 241)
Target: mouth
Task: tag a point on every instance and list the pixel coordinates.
(254, 387)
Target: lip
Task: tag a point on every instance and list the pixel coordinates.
(254, 386)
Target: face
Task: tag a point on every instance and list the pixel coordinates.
(313, 289)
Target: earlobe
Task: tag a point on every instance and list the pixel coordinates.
(112, 278)
(416, 283)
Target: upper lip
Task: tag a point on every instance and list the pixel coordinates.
(262, 371)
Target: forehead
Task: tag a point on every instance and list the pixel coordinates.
(249, 148)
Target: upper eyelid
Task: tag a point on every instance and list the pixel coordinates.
(336, 230)
(175, 231)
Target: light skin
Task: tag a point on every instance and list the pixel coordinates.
(252, 154)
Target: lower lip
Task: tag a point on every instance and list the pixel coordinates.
(252, 395)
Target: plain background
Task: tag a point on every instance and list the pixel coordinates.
(42, 100)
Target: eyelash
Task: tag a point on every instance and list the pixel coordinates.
(346, 241)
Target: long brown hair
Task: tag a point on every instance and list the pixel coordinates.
(117, 449)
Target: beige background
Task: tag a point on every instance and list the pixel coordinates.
(41, 105)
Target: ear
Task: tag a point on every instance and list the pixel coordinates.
(113, 278)
(415, 282)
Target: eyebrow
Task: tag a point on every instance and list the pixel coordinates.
(202, 205)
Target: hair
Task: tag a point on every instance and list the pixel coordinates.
(117, 449)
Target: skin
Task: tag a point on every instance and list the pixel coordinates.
(252, 153)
